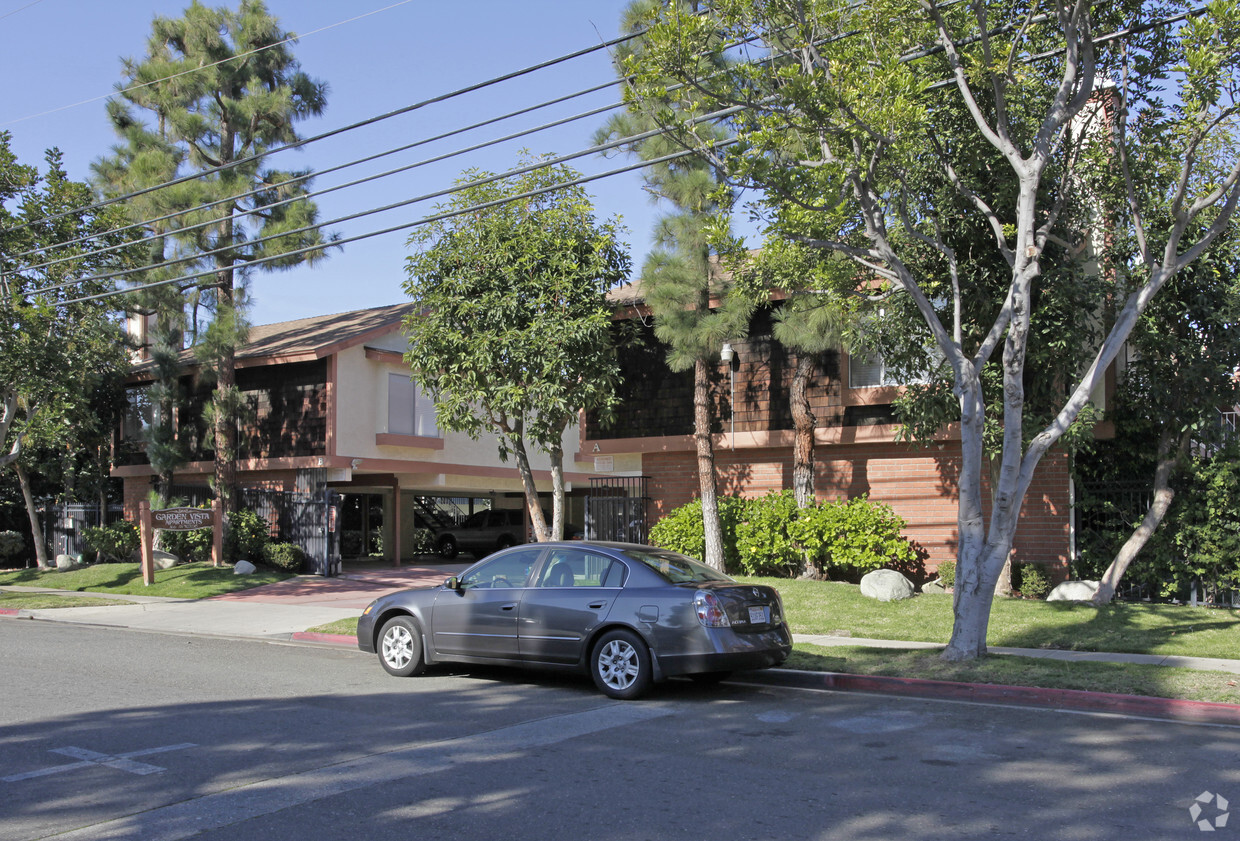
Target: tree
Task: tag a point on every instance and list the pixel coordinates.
(688, 294)
(512, 329)
(222, 89)
(1186, 351)
(55, 350)
(838, 124)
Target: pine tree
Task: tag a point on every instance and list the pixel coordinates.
(221, 88)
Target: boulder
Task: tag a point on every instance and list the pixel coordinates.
(886, 585)
(64, 563)
(244, 568)
(935, 586)
(1074, 591)
(164, 560)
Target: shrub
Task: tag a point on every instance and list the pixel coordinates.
(1034, 583)
(284, 556)
(422, 542)
(245, 535)
(115, 543)
(186, 545)
(11, 545)
(947, 573)
(682, 530)
(764, 544)
(850, 538)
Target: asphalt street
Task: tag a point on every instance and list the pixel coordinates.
(117, 734)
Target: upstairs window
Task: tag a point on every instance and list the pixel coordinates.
(410, 411)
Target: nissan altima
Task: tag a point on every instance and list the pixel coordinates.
(629, 615)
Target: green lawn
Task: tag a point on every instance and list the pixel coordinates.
(188, 581)
(827, 607)
(43, 601)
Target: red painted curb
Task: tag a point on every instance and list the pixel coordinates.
(338, 639)
(1074, 699)
(9, 611)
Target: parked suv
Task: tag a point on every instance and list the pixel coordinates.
(489, 530)
(482, 532)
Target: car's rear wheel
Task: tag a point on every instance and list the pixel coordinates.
(400, 647)
(447, 547)
(504, 542)
(620, 665)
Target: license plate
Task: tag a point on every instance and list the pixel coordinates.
(759, 615)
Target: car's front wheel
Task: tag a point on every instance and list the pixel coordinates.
(400, 647)
(447, 547)
(620, 665)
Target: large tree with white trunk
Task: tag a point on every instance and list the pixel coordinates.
(851, 116)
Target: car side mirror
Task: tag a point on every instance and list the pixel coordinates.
(453, 583)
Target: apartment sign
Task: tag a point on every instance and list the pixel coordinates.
(183, 519)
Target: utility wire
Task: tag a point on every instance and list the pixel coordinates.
(297, 144)
(540, 164)
(585, 179)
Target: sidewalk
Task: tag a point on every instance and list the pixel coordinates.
(283, 611)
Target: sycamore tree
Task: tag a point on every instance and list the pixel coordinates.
(217, 89)
(55, 351)
(843, 108)
(512, 333)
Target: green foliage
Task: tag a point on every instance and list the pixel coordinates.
(283, 556)
(1031, 581)
(245, 536)
(764, 545)
(422, 542)
(682, 530)
(187, 545)
(771, 536)
(11, 545)
(947, 573)
(115, 543)
(853, 537)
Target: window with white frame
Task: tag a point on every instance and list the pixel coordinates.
(410, 411)
(868, 372)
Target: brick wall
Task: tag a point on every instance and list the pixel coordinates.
(919, 485)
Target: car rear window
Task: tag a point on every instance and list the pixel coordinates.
(676, 568)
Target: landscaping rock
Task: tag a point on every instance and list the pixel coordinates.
(886, 585)
(65, 563)
(935, 586)
(1074, 591)
(165, 560)
(244, 568)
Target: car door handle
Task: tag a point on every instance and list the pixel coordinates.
(597, 605)
(508, 606)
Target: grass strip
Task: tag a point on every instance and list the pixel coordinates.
(186, 581)
(1010, 670)
(44, 601)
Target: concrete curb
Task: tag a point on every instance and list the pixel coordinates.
(1202, 712)
(335, 639)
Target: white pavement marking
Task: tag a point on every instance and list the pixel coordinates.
(213, 811)
(120, 761)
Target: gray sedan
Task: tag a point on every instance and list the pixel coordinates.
(627, 614)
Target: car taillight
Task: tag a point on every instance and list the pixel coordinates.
(710, 610)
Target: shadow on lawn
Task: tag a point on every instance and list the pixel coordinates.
(1120, 627)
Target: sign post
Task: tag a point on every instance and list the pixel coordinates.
(178, 519)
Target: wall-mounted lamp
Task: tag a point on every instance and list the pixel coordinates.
(727, 353)
(356, 463)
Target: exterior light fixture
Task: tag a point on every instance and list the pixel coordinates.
(726, 353)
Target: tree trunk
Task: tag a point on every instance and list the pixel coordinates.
(1003, 585)
(36, 531)
(516, 439)
(803, 423)
(1163, 495)
(556, 452)
(706, 466)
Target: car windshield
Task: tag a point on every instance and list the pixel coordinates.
(676, 568)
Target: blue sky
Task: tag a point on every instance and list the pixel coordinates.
(56, 53)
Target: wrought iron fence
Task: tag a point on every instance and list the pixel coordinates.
(616, 509)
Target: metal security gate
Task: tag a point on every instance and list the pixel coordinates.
(616, 509)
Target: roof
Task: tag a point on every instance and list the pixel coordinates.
(311, 338)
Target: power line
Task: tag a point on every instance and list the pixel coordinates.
(585, 179)
(541, 164)
(289, 40)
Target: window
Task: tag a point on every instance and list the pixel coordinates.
(410, 411)
(505, 572)
(868, 372)
(139, 414)
(579, 568)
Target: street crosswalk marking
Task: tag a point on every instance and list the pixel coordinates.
(88, 758)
